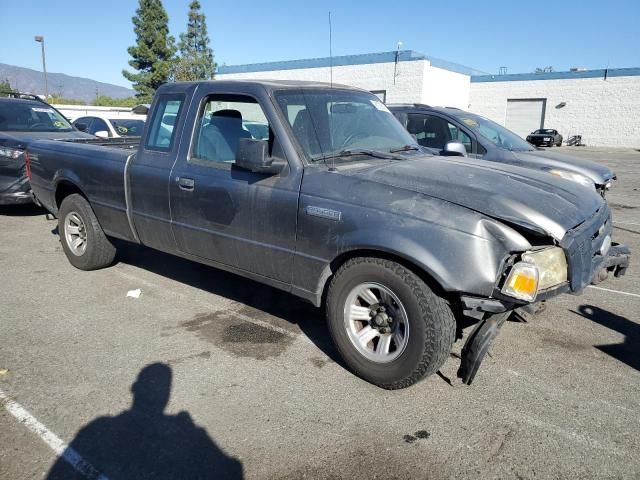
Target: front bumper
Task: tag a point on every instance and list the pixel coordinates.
(18, 192)
(588, 259)
(540, 142)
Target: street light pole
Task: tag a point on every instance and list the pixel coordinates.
(40, 39)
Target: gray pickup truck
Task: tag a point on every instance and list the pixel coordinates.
(339, 206)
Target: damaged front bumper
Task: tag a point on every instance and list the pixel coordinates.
(493, 312)
(17, 192)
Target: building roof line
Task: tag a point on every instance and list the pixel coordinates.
(520, 77)
(344, 60)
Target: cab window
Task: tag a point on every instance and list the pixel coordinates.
(223, 121)
(162, 132)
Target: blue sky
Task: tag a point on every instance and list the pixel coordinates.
(90, 39)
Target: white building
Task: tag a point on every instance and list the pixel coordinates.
(396, 77)
(602, 108)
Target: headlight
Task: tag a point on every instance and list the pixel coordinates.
(522, 282)
(552, 266)
(574, 177)
(538, 270)
(10, 152)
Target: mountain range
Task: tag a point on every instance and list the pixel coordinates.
(27, 80)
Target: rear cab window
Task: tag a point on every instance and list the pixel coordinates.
(165, 116)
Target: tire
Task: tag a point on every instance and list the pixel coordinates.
(559, 144)
(76, 220)
(428, 335)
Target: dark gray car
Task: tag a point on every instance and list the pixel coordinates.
(435, 127)
(23, 119)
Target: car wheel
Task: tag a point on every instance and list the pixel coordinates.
(83, 240)
(389, 327)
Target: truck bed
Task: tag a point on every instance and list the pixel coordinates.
(95, 166)
(127, 143)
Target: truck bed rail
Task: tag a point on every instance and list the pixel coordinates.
(127, 143)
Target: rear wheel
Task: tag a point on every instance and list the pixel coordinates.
(83, 240)
(390, 328)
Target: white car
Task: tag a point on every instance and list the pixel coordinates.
(111, 127)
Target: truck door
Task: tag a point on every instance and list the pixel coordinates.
(225, 214)
(149, 173)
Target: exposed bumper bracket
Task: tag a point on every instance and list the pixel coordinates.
(616, 261)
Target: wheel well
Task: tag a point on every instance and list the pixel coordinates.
(421, 272)
(64, 189)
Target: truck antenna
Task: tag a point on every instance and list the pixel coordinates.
(330, 52)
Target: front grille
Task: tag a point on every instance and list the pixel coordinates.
(582, 246)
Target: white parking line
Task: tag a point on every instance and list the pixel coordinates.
(615, 291)
(54, 442)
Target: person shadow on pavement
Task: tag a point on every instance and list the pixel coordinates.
(144, 442)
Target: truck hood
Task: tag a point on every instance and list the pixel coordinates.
(533, 200)
(546, 159)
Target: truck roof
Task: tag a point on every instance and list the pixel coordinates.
(276, 84)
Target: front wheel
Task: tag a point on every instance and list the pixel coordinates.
(83, 240)
(389, 327)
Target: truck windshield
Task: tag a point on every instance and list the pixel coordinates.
(496, 134)
(327, 122)
(22, 117)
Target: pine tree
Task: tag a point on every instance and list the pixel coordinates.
(153, 55)
(196, 57)
(5, 87)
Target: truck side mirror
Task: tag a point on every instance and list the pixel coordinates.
(253, 156)
(102, 134)
(454, 149)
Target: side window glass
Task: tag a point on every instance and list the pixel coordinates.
(429, 130)
(457, 135)
(162, 132)
(83, 121)
(223, 121)
(98, 125)
(92, 125)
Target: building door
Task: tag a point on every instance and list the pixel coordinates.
(524, 115)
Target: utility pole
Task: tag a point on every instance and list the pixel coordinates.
(40, 39)
(395, 64)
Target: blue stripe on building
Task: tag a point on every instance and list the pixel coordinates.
(521, 77)
(342, 60)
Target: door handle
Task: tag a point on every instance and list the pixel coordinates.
(186, 183)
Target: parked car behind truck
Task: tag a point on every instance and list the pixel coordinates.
(338, 206)
(545, 136)
(24, 117)
(482, 138)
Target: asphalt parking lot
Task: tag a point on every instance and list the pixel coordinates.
(254, 388)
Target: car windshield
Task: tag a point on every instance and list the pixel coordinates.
(126, 127)
(332, 122)
(546, 132)
(496, 134)
(21, 117)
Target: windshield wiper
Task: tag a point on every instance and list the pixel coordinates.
(405, 148)
(351, 153)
